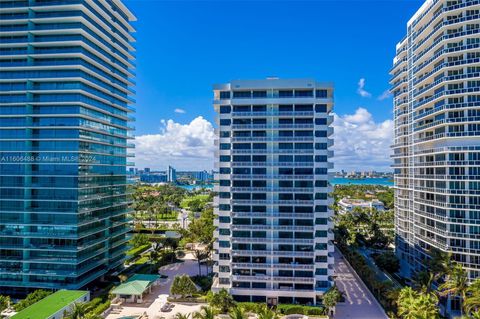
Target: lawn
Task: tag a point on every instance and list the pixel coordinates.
(169, 216)
(195, 203)
(138, 250)
(50, 304)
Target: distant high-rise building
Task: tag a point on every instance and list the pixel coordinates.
(436, 87)
(146, 170)
(171, 175)
(274, 231)
(65, 104)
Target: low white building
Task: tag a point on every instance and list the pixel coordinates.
(348, 204)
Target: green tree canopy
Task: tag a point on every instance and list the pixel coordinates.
(331, 297)
(417, 305)
(222, 300)
(183, 286)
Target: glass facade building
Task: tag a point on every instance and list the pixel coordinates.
(436, 87)
(65, 104)
(274, 228)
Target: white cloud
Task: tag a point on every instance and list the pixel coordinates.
(184, 146)
(361, 89)
(385, 95)
(361, 143)
(181, 111)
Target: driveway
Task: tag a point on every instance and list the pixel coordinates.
(359, 301)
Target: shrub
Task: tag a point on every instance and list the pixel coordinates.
(139, 240)
(291, 309)
(4, 302)
(180, 253)
(98, 310)
(138, 250)
(221, 300)
(315, 311)
(249, 306)
(31, 298)
(204, 282)
(183, 286)
(387, 261)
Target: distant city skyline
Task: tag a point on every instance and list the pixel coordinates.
(204, 45)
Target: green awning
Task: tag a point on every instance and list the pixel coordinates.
(135, 285)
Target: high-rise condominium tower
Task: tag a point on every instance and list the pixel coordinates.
(65, 78)
(274, 232)
(436, 87)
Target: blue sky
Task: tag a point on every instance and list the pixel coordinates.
(184, 47)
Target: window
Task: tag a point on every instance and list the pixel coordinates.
(303, 93)
(285, 159)
(321, 94)
(321, 146)
(242, 94)
(225, 109)
(225, 122)
(224, 170)
(224, 244)
(259, 94)
(285, 93)
(224, 182)
(224, 95)
(320, 108)
(241, 108)
(224, 231)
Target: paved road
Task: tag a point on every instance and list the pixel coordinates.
(359, 301)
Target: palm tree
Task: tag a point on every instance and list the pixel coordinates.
(267, 313)
(456, 284)
(472, 299)
(182, 316)
(155, 253)
(417, 305)
(238, 313)
(78, 311)
(440, 263)
(423, 281)
(205, 313)
(199, 255)
(474, 315)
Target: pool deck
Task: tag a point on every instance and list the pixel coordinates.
(155, 300)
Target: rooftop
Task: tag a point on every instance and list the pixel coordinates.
(135, 285)
(352, 201)
(50, 304)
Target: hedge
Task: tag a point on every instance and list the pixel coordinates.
(138, 250)
(101, 308)
(286, 309)
(289, 309)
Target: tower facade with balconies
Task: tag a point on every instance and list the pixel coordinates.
(274, 229)
(65, 99)
(436, 87)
